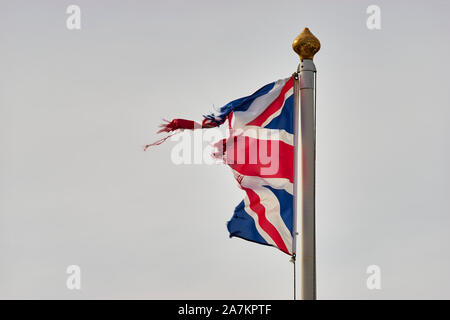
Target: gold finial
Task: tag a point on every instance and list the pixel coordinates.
(306, 45)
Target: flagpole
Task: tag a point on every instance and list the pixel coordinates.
(306, 45)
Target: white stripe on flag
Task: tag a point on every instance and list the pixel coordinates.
(268, 134)
(253, 182)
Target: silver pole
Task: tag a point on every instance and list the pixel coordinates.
(296, 175)
(308, 148)
(306, 45)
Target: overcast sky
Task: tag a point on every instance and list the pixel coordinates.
(76, 107)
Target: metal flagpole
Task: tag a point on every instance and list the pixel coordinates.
(306, 45)
(296, 148)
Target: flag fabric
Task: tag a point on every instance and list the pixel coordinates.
(260, 152)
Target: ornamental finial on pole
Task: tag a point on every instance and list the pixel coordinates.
(306, 45)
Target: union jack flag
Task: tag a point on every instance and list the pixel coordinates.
(260, 152)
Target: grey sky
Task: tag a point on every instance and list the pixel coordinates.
(76, 107)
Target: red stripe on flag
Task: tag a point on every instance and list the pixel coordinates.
(258, 208)
(244, 156)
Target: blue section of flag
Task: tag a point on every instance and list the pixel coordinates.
(243, 226)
